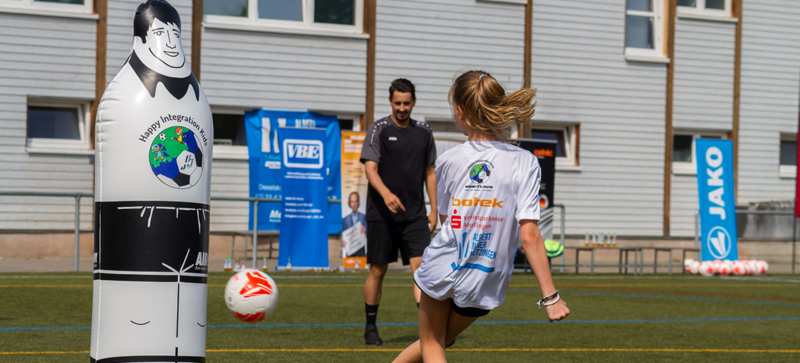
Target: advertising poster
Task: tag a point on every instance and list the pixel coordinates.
(354, 205)
(263, 129)
(304, 235)
(545, 152)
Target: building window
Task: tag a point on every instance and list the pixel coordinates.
(566, 142)
(683, 149)
(68, 6)
(349, 122)
(58, 127)
(705, 7)
(644, 28)
(229, 129)
(230, 139)
(322, 15)
(788, 166)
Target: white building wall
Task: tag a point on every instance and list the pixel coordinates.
(42, 57)
(582, 78)
(430, 42)
(769, 96)
(702, 100)
(254, 70)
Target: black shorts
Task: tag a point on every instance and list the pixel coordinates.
(384, 239)
(468, 312)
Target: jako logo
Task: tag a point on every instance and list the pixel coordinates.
(305, 154)
(476, 202)
(719, 243)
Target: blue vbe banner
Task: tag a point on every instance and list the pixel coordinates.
(264, 152)
(717, 208)
(304, 178)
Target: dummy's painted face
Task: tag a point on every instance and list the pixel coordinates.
(164, 43)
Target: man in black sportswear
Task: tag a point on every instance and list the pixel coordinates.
(398, 156)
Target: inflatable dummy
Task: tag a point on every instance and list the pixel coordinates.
(153, 155)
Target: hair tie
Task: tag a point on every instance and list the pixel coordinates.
(481, 77)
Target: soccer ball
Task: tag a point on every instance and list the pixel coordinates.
(707, 268)
(738, 268)
(693, 268)
(251, 295)
(761, 267)
(724, 268)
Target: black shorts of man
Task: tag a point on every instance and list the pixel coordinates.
(398, 156)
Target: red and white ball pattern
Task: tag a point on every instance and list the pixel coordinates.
(726, 267)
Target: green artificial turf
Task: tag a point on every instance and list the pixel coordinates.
(614, 318)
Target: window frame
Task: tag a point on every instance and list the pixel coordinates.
(786, 171)
(690, 168)
(47, 8)
(657, 53)
(230, 152)
(570, 161)
(701, 10)
(253, 22)
(83, 146)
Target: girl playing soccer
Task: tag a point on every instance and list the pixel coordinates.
(488, 193)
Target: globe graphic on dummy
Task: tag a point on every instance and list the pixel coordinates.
(480, 173)
(176, 157)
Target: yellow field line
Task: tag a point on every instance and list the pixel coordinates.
(409, 284)
(476, 350)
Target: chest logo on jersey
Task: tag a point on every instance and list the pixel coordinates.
(479, 173)
(477, 202)
(392, 138)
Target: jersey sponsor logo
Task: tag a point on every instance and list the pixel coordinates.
(392, 138)
(479, 173)
(305, 154)
(455, 220)
(474, 248)
(477, 202)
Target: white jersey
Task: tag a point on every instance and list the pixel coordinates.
(485, 189)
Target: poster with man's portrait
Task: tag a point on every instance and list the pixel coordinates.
(354, 204)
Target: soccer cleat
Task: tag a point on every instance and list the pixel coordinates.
(371, 336)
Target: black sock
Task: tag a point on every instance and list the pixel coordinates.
(372, 313)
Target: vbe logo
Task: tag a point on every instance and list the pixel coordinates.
(306, 154)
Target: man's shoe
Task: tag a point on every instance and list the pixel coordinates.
(371, 336)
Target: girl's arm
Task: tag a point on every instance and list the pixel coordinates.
(537, 257)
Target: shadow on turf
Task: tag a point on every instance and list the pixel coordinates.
(406, 339)
(413, 338)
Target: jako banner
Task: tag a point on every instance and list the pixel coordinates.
(264, 151)
(304, 236)
(715, 191)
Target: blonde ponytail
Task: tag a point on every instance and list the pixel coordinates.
(486, 106)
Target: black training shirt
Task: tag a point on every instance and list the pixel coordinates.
(402, 155)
